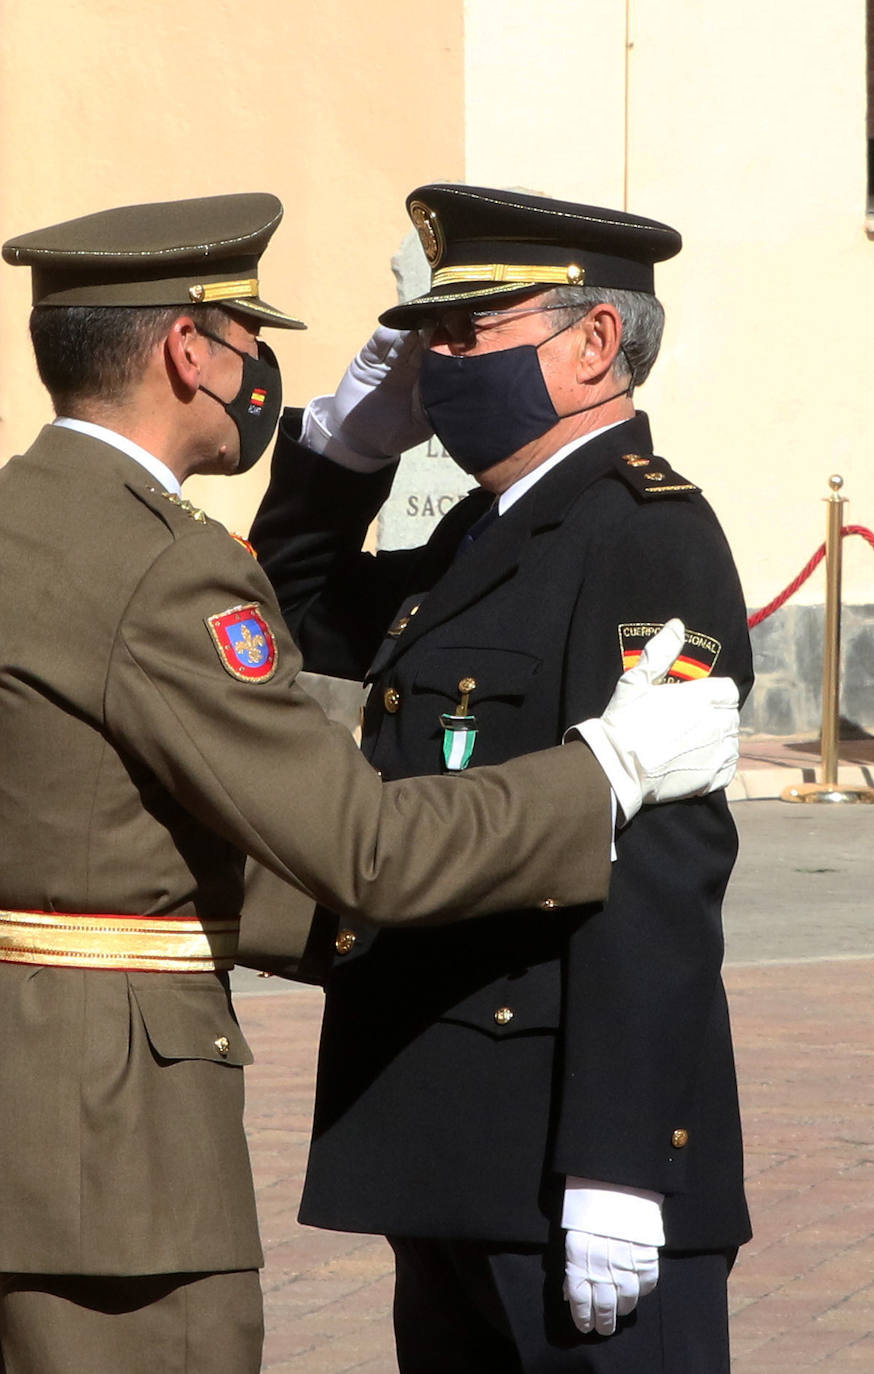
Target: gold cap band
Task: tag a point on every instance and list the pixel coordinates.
(166, 944)
(224, 291)
(524, 273)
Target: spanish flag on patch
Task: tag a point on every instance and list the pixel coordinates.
(257, 399)
(700, 651)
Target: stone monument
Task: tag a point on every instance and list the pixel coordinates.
(428, 483)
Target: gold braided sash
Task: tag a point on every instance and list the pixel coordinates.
(164, 944)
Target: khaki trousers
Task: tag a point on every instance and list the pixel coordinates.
(152, 1324)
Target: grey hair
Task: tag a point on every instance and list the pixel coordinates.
(642, 316)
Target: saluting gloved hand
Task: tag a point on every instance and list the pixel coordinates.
(662, 741)
(604, 1278)
(375, 413)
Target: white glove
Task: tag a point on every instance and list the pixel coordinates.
(659, 743)
(375, 413)
(605, 1277)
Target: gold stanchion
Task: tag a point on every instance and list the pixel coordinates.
(828, 790)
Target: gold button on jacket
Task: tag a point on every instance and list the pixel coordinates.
(679, 1139)
(504, 1015)
(345, 941)
(391, 699)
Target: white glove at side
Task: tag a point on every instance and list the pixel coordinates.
(375, 413)
(611, 1254)
(604, 1278)
(659, 743)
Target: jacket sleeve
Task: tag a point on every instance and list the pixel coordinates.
(258, 762)
(644, 1006)
(308, 533)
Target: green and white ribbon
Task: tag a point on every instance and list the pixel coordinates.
(459, 737)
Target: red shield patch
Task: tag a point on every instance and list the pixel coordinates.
(244, 642)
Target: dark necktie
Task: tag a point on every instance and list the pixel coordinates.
(477, 528)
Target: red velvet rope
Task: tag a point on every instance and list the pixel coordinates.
(802, 577)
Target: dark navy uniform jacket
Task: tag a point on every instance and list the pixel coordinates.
(465, 1071)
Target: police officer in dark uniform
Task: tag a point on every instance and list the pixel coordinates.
(543, 1120)
(153, 733)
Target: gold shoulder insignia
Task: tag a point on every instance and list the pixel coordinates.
(186, 506)
(650, 476)
(179, 501)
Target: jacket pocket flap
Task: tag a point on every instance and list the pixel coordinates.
(191, 1023)
(521, 1003)
(496, 672)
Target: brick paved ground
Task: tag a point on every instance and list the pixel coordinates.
(800, 981)
(327, 1296)
(803, 1290)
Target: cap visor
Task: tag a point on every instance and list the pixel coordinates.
(267, 314)
(410, 313)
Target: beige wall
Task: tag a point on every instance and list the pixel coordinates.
(744, 125)
(745, 129)
(545, 100)
(338, 108)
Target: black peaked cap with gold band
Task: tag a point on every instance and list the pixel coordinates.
(176, 252)
(483, 244)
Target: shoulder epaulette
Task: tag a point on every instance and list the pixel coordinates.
(651, 477)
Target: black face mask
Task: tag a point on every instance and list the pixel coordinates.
(486, 407)
(255, 408)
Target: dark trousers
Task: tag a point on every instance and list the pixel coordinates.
(471, 1308)
(153, 1324)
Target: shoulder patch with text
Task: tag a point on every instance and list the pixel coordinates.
(700, 651)
(244, 642)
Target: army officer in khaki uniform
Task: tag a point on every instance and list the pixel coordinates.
(152, 735)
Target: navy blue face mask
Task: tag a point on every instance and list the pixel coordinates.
(256, 406)
(487, 406)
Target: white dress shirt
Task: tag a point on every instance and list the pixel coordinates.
(169, 481)
(511, 495)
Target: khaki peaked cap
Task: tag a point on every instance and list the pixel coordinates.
(177, 252)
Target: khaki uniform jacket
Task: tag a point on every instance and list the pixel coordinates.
(137, 771)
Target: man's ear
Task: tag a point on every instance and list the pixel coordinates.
(183, 348)
(601, 335)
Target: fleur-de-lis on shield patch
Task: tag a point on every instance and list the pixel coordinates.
(245, 643)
